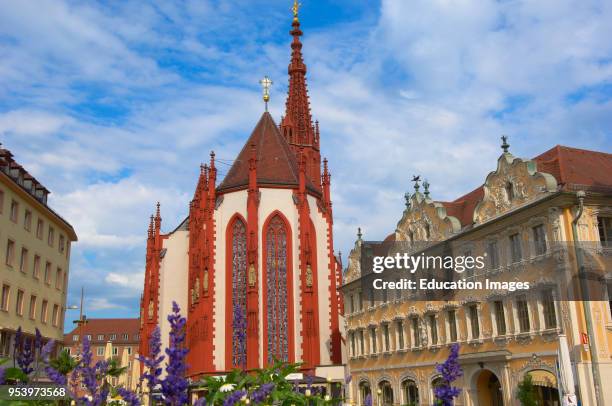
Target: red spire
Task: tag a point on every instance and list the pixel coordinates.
(157, 220)
(151, 227)
(297, 116)
(297, 126)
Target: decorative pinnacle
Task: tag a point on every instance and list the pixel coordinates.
(266, 83)
(157, 213)
(505, 144)
(359, 233)
(212, 160)
(295, 9)
(407, 198)
(416, 179)
(426, 187)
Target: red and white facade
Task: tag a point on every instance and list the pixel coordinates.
(256, 247)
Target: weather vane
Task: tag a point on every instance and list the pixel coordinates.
(265, 83)
(505, 144)
(416, 179)
(295, 9)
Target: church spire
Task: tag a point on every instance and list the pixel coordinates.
(297, 126)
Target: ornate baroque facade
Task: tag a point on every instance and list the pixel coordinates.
(521, 217)
(253, 264)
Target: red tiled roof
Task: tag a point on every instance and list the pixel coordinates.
(569, 166)
(580, 167)
(463, 207)
(106, 327)
(276, 164)
(390, 238)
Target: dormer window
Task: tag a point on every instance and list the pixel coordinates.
(509, 191)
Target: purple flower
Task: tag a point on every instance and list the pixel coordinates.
(174, 386)
(17, 345)
(46, 350)
(450, 371)
(128, 396)
(85, 369)
(56, 377)
(260, 394)
(200, 402)
(90, 375)
(38, 340)
(152, 362)
(234, 398)
(25, 357)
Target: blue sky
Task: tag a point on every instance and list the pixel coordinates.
(113, 105)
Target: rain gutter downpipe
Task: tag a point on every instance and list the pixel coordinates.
(585, 295)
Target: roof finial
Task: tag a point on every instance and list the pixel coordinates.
(426, 187)
(416, 179)
(359, 233)
(295, 9)
(407, 198)
(265, 83)
(505, 144)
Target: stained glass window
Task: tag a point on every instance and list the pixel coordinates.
(276, 291)
(239, 289)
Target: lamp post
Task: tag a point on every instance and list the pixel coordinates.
(82, 318)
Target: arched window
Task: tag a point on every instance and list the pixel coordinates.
(364, 392)
(276, 291)
(386, 393)
(509, 191)
(411, 392)
(239, 288)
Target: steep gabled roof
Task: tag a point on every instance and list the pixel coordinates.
(577, 167)
(276, 164)
(463, 207)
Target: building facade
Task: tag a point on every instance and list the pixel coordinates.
(35, 255)
(525, 220)
(253, 264)
(109, 338)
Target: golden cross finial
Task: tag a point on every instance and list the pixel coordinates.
(295, 9)
(266, 83)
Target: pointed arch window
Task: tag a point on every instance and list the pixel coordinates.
(239, 288)
(276, 291)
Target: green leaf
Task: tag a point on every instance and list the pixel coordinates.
(14, 374)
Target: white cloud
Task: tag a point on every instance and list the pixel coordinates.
(115, 215)
(126, 280)
(100, 303)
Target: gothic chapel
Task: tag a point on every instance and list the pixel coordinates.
(253, 264)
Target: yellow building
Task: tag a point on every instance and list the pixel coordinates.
(522, 221)
(34, 257)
